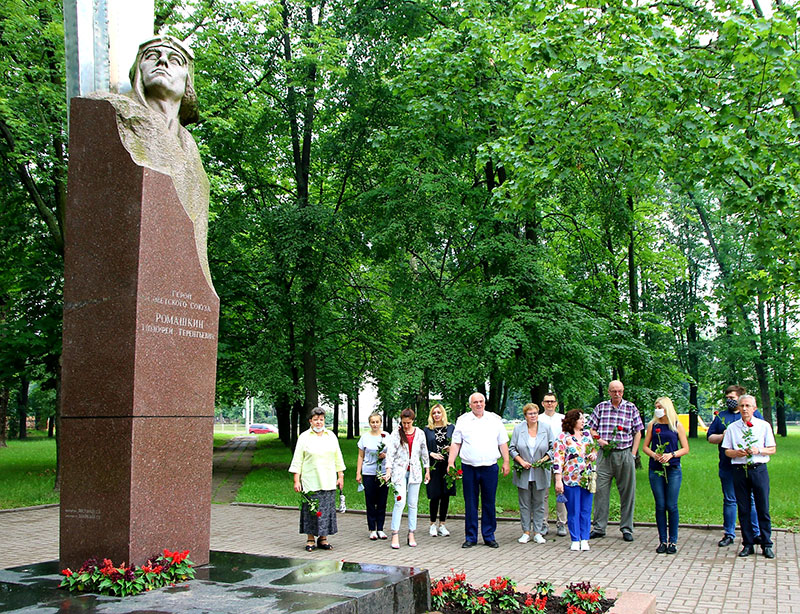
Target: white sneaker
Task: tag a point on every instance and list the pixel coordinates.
(373, 535)
(524, 539)
(575, 546)
(443, 532)
(382, 535)
(584, 544)
(433, 532)
(539, 539)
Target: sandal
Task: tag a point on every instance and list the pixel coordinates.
(323, 544)
(310, 545)
(411, 541)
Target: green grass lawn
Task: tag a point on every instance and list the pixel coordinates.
(27, 471)
(700, 500)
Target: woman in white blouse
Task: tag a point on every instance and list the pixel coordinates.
(406, 455)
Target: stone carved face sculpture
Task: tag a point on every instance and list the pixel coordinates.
(164, 69)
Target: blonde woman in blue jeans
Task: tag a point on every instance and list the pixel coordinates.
(406, 456)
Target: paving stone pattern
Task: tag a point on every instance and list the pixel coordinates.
(700, 578)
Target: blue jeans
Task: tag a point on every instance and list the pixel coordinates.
(729, 505)
(579, 512)
(408, 493)
(665, 493)
(479, 481)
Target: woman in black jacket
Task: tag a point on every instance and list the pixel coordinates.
(438, 434)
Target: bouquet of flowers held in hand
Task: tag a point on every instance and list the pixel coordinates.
(313, 504)
(379, 451)
(659, 450)
(452, 476)
(749, 444)
(613, 444)
(384, 481)
(445, 451)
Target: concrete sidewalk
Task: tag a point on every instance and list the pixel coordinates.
(700, 578)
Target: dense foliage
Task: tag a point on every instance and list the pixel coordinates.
(449, 196)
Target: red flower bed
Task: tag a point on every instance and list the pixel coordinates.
(453, 595)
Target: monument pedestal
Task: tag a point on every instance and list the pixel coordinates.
(139, 358)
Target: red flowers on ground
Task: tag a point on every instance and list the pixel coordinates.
(67, 572)
(176, 557)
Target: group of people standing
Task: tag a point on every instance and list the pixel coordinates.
(579, 456)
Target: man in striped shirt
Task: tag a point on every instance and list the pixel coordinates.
(617, 427)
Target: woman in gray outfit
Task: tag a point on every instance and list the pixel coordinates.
(531, 442)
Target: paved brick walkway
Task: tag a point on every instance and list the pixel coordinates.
(232, 462)
(700, 578)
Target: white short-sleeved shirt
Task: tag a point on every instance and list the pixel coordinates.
(480, 438)
(554, 422)
(762, 435)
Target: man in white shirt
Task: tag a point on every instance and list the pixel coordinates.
(481, 438)
(553, 419)
(749, 443)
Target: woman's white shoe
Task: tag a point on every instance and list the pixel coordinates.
(575, 546)
(584, 544)
(433, 532)
(539, 539)
(443, 532)
(524, 539)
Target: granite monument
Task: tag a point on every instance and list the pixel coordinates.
(140, 321)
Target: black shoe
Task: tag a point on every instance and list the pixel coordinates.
(747, 551)
(725, 541)
(491, 543)
(768, 552)
(468, 544)
(662, 548)
(627, 536)
(672, 549)
(596, 535)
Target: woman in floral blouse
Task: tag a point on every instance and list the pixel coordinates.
(573, 466)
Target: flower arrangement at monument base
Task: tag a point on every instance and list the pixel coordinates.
(453, 595)
(166, 569)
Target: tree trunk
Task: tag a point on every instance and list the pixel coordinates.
(22, 407)
(758, 353)
(297, 421)
(4, 396)
(691, 347)
(349, 416)
(311, 396)
(495, 393)
(283, 412)
(633, 279)
(356, 417)
(336, 416)
(538, 391)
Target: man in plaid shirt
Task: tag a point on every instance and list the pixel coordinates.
(617, 427)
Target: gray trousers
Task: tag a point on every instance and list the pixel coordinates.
(531, 503)
(618, 465)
